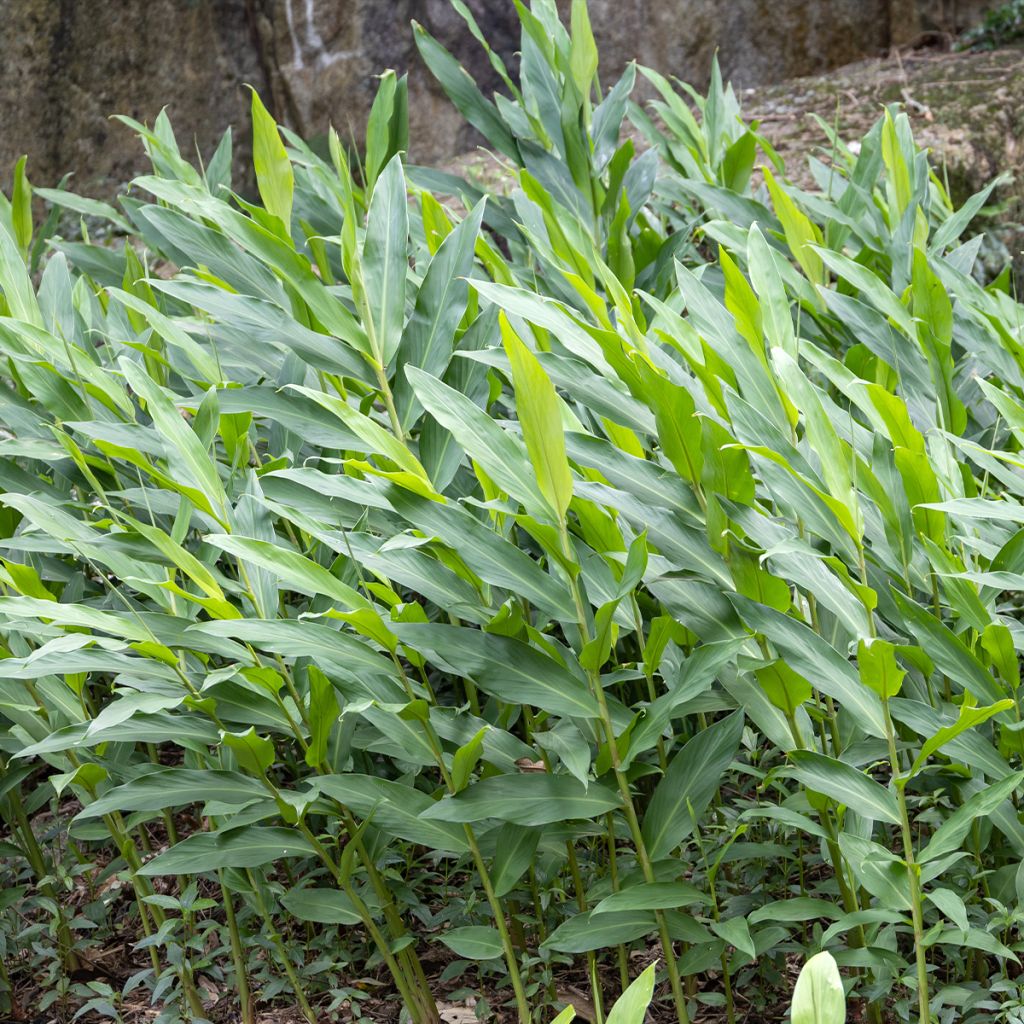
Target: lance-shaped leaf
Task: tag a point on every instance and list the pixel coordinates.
(296, 570)
(175, 787)
(274, 177)
(526, 799)
(540, 417)
(248, 847)
(683, 795)
(509, 669)
(844, 784)
(385, 260)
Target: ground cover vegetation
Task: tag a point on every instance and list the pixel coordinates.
(411, 593)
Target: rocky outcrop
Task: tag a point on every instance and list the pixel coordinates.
(66, 65)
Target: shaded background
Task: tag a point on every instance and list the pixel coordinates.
(66, 65)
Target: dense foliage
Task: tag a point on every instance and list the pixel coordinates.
(409, 589)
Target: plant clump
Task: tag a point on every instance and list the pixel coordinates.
(612, 584)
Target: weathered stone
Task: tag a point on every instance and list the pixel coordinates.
(65, 66)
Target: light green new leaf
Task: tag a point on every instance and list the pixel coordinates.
(274, 176)
(254, 753)
(540, 417)
(876, 661)
(818, 997)
(465, 758)
(631, 1006)
(968, 718)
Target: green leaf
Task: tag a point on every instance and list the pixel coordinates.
(818, 997)
(461, 90)
(473, 942)
(175, 787)
(465, 758)
(845, 785)
(87, 775)
(509, 669)
(429, 337)
(540, 417)
(968, 718)
(689, 784)
(884, 875)
(254, 753)
(582, 933)
(296, 570)
(876, 661)
(800, 908)
(195, 462)
(528, 799)
(248, 847)
(374, 435)
(515, 847)
(631, 1006)
(652, 896)
(948, 836)
(499, 452)
(323, 715)
(583, 50)
(802, 234)
(385, 261)
(21, 207)
(274, 177)
(736, 932)
(322, 906)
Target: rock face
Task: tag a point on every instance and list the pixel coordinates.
(65, 65)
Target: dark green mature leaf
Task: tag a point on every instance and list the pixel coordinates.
(684, 793)
(845, 785)
(588, 931)
(509, 669)
(474, 942)
(527, 799)
(174, 787)
(247, 847)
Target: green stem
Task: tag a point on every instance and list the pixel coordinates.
(581, 902)
(237, 954)
(511, 959)
(275, 937)
(913, 871)
(624, 792)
